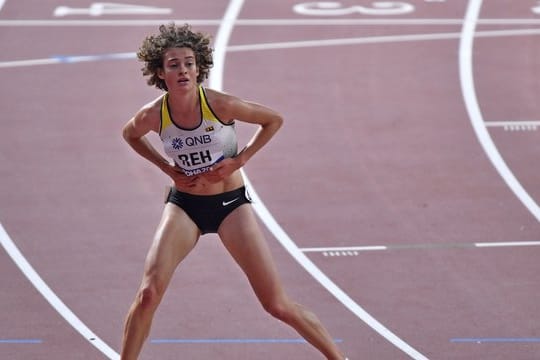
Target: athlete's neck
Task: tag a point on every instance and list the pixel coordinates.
(184, 107)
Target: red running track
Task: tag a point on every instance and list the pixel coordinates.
(378, 150)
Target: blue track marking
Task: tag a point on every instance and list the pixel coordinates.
(21, 341)
(63, 59)
(232, 341)
(495, 340)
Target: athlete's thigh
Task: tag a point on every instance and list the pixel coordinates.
(175, 236)
(243, 238)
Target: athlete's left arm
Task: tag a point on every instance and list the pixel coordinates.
(231, 108)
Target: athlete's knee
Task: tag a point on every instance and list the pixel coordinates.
(150, 295)
(147, 298)
(280, 308)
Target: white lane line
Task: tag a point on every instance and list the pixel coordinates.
(32, 62)
(377, 40)
(216, 81)
(267, 22)
(369, 248)
(507, 244)
(222, 39)
(475, 115)
(513, 122)
(344, 248)
(68, 59)
(343, 41)
(280, 45)
(52, 298)
(514, 125)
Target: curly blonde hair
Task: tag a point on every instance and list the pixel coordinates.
(171, 36)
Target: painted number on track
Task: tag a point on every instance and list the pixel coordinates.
(337, 9)
(99, 9)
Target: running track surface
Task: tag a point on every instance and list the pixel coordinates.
(411, 142)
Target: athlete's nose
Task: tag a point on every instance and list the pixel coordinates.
(182, 69)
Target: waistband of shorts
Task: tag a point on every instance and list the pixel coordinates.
(239, 191)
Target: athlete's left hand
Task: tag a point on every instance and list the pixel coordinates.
(221, 170)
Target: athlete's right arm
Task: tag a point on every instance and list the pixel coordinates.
(134, 133)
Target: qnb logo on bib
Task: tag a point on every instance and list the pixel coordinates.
(198, 140)
(198, 162)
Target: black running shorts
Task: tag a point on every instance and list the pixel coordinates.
(208, 211)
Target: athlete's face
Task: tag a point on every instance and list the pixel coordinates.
(179, 70)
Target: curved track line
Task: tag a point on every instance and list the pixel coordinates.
(52, 298)
(216, 81)
(324, 280)
(222, 39)
(475, 115)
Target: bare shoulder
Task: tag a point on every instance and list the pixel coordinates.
(223, 104)
(220, 98)
(149, 115)
(229, 108)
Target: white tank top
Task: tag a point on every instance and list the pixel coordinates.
(196, 150)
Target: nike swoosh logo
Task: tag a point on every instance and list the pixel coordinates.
(225, 203)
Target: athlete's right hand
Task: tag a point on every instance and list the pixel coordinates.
(180, 179)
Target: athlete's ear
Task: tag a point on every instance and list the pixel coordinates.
(161, 73)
